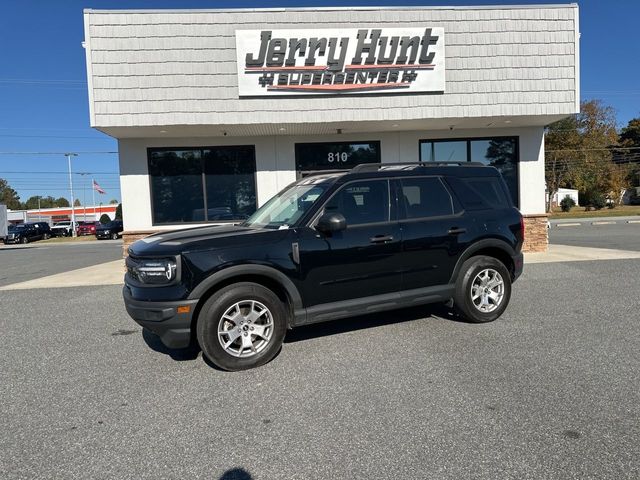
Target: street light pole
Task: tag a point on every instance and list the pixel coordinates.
(73, 210)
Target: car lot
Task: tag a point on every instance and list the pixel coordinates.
(550, 390)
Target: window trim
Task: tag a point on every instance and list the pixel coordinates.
(203, 182)
(314, 220)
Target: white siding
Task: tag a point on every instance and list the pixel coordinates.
(275, 163)
(178, 67)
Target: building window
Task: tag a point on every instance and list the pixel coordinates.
(499, 152)
(205, 184)
(313, 157)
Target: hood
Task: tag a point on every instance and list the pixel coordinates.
(201, 238)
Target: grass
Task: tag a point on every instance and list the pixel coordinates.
(579, 212)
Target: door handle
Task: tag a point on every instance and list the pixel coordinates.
(457, 231)
(381, 238)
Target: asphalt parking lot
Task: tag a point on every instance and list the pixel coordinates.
(550, 390)
(618, 235)
(19, 263)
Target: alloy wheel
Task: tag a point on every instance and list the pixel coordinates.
(487, 290)
(245, 329)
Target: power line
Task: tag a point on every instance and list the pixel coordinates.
(609, 149)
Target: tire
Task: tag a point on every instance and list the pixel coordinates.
(475, 299)
(46, 236)
(243, 301)
(114, 236)
(24, 240)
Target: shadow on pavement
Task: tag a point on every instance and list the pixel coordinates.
(336, 327)
(178, 354)
(236, 474)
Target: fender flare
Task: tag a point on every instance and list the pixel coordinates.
(476, 247)
(249, 269)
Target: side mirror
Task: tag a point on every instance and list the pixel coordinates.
(331, 222)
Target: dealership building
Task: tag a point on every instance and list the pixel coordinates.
(215, 111)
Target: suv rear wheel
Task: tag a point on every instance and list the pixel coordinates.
(483, 289)
(242, 326)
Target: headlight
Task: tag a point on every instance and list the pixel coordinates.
(155, 272)
(106, 231)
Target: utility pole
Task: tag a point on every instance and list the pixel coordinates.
(73, 210)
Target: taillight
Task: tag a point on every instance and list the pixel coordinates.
(522, 228)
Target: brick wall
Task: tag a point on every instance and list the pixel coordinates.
(536, 235)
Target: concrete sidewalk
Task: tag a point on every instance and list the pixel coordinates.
(112, 273)
(570, 253)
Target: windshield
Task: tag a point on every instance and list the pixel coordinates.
(16, 227)
(286, 208)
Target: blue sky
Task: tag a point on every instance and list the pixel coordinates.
(43, 96)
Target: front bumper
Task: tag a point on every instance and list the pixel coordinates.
(8, 241)
(162, 318)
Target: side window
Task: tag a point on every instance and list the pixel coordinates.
(362, 202)
(489, 189)
(425, 197)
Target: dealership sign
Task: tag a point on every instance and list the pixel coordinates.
(339, 61)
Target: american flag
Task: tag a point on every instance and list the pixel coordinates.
(98, 188)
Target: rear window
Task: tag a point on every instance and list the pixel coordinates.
(480, 192)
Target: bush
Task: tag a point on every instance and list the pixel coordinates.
(567, 203)
(104, 219)
(594, 199)
(598, 201)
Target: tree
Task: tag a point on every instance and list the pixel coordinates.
(104, 219)
(8, 196)
(577, 151)
(76, 203)
(562, 142)
(44, 202)
(630, 152)
(61, 202)
(113, 201)
(119, 212)
(630, 135)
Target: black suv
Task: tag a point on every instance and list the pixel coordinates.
(27, 232)
(112, 230)
(332, 245)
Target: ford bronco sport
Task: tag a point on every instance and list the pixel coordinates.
(331, 246)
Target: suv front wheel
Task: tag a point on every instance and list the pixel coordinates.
(483, 289)
(241, 326)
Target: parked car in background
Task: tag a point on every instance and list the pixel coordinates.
(62, 229)
(44, 228)
(23, 233)
(87, 228)
(112, 230)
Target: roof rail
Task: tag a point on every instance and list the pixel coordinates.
(372, 167)
(310, 173)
